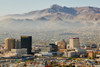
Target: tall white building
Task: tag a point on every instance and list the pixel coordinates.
(74, 43)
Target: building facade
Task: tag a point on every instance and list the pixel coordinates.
(70, 53)
(74, 43)
(9, 44)
(91, 54)
(18, 44)
(26, 42)
(53, 48)
(61, 45)
(19, 52)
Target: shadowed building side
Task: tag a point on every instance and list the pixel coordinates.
(26, 42)
(18, 44)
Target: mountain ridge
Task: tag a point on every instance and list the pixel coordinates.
(53, 18)
(65, 13)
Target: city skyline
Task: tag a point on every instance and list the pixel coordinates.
(49, 33)
(18, 7)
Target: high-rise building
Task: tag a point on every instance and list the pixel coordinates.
(9, 44)
(74, 43)
(26, 42)
(18, 44)
(53, 48)
(62, 44)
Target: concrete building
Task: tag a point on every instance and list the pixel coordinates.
(17, 44)
(46, 54)
(26, 42)
(75, 52)
(9, 44)
(19, 52)
(62, 44)
(38, 54)
(80, 51)
(9, 54)
(70, 53)
(91, 54)
(62, 50)
(53, 48)
(74, 43)
(45, 49)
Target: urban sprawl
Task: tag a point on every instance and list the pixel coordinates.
(22, 53)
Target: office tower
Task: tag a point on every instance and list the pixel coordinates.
(26, 42)
(18, 44)
(9, 44)
(53, 48)
(74, 43)
(62, 44)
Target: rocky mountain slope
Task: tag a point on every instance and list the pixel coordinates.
(53, 18)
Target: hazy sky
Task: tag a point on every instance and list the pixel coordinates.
(22, 6)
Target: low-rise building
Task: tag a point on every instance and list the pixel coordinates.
(45, 49)
(62, 50)
(80, 51)
(46, 54)
(9, 54)
(70, 54)
(91, 54)
(3, 63)
(19, 52)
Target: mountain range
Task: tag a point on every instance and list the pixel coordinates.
(58, 17)
(56, 12)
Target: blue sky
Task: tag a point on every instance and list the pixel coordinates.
(22, 6)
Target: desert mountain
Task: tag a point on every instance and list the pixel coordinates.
(56, 12)
(52, 18)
